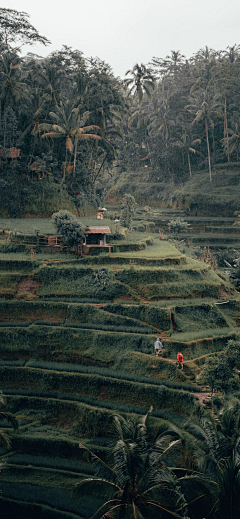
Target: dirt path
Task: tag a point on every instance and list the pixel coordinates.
(202, 396)
(27, 285)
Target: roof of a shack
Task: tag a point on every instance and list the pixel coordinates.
(97, 230)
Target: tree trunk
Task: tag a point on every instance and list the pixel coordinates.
(75, 156)
(150, 160)
(98, 173)
(189, 165)
(208, 148)
(225, 126)
(64, 169)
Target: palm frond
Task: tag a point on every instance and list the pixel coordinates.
(101, 467)
(54, 116)
(58, 129)
(55, 135)
(89, 128)
(43, 127)
(170, 512)
(10, 418)
(121, 462)
(5, 440)
(87, 136)
(107, 487)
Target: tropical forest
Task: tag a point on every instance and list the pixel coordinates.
(119, 283)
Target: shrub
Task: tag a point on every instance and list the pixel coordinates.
(69, 227)
(178, 225)
(128, 210)
(220, 373)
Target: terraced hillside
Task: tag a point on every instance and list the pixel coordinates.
(216, 232)
(76, 345)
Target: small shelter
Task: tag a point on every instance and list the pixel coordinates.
(96, 237)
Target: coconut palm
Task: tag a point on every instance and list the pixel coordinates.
(173, 61)
(218, 457)
(169, 65)
(187, 145)
(12, 88)
(141, 82)
(136, 483)
(205, 55)
(204, 110)
(49, 78)
(231, 142)
(69, 126)
(232, 53)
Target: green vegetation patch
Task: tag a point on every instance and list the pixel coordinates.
(50, 313)
(99, 284)
(158, 317)
(190, 318)
(97, 386)
(217, 201)
(16, 265)
(44, 341)
(9, 283)
(174, 290)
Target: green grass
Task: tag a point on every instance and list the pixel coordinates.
(105, 372)
(209, 333)
(167, 400)
(45, 225)
(160, 249)
(9, 283)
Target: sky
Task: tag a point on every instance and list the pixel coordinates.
(126, 32)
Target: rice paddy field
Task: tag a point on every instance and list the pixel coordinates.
(77, 346)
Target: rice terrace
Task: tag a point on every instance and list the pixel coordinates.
(119, 228)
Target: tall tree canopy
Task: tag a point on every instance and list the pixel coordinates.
(16, 28)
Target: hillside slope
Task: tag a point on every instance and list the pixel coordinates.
(197, 196)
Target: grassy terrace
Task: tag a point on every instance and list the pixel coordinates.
(76, 345)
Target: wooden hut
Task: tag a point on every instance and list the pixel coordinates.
(96, 237)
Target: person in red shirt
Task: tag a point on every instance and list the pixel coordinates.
(180, 359)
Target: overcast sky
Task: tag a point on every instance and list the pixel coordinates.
(126, 32)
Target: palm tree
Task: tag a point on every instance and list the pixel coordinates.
(69, 125)
(12, 88)
(49, 79)
(187, 146)
(160, 119)
(35, 112)
(218, 457)
(173, 61)
(137, 483)
(232, 53)
(204, 111)
(142, 81)
(169, 65)
(205, 55)
(231, 142)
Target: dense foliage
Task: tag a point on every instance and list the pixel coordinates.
(69, 227)
(191, 120)
(66, 118)
(58, 122)
(190, 472)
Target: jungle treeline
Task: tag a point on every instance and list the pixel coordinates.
(65, 119)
